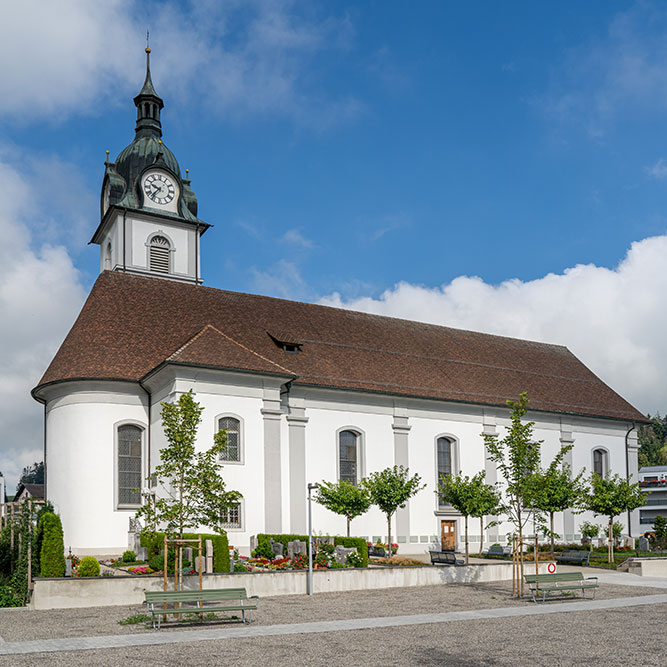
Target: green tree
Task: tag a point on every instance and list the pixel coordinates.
(52, 552)
(517, 458)
(652, 438)
(470, 496)
(195, 493)
(660, 527)
(610, 496)
(33, 474)
(555, 490)
(349, 500)
(390, 489)
(590, 531)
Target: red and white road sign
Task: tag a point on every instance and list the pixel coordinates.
(551, 568)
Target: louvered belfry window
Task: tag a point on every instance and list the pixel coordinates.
(129, 465)
(233, 428)
(159, 254)
(347, 452)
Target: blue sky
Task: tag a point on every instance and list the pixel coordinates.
(484, 165)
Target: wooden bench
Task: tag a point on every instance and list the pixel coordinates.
(497, 551)
(444, 558)
(542, 584)
(573, 556)
(205, 601)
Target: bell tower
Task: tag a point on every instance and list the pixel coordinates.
(148, 211)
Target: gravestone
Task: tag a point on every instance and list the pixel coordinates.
(209, 556)
(644, 544)
(198, 565)
(277, 549)
(341, 553)
(187, 553)
(68, 567)
(296, 547)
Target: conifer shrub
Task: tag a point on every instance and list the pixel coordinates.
(89, 567)
(129, 557)
(52, 553)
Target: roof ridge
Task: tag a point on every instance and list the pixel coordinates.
(194, 338)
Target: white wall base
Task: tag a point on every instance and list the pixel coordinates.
(112, 591)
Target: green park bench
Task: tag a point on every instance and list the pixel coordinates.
(574, 556)
(542, 584)
(200, 601)
(444, 558)
(498, 551)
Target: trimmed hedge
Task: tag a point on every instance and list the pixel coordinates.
(263, 544)
(154, 542)
(52, 553)
(89, 567)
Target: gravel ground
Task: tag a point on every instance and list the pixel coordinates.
(23, 624)
(610, 638)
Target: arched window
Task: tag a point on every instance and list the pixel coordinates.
(444, 458)
(158, 254)
(233, 450)
(600, 462)
(129, 465)
(348, 456)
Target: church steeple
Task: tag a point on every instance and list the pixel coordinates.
(149, 105)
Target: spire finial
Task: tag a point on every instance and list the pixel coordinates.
(107, 152)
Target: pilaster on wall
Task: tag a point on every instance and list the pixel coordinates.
(272, 413)
(566, 439)
(297, 420)
(491, 472)
(633, 474)
(401, 428)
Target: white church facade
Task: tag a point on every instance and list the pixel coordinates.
(306, 392)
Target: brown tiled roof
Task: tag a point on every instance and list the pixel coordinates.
(130, 325)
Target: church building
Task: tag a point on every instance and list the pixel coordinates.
(306, 392)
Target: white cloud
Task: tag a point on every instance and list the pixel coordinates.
(73, 56)
(658, 170)
(624, 69)
(295, 237)
(613, 320)
(40, 295)
(283, 279)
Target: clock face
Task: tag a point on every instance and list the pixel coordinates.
(159, 188)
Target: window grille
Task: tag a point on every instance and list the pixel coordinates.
(129, 465)
(599, 461)
(347, 456)
(444, 463)
(233, 427)
(159, 254)
(231, 517)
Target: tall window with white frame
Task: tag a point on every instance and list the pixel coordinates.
(443, 463)
(348, 468)
(232, 452)
(600, 462)
(129, 465)
(158, 254)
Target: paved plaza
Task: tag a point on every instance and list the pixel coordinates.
(477, 624)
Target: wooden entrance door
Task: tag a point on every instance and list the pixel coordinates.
(448, 535)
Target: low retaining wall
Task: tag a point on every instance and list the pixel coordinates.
(129, 590)
(648, 567)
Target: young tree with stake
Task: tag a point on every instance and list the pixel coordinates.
(349, 500)
(195, 491)
(611, 496)
(471, 497)
(555, 490)
(390, 489)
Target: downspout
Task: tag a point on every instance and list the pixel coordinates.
(627, 471)
(148, 432)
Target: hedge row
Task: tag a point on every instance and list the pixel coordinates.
(154, 542)
(263, 543)
(52, 551)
